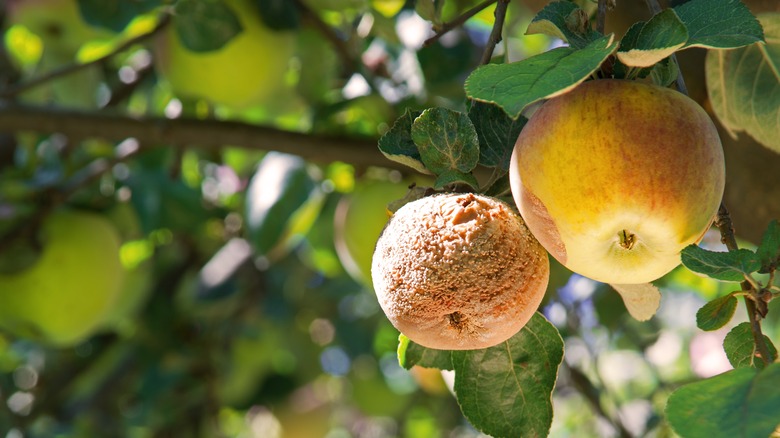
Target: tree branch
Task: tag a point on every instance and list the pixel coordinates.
(601, 16)
(723, 222)
(458, 21)
(205, 134)
(72, 68)
(495, 34)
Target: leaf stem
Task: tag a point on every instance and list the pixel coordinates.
(458, 21)
(723, 222)
(495, 34)
(65, 70)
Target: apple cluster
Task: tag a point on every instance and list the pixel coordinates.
(613, 179)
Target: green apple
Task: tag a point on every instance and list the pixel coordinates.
(65, 295)
(58, 23)
(247, 70)
(359, 220)
(616, 177)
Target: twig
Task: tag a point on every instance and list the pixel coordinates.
(462, 18)
(723, 222)
(495, 34)
(601, 16)
(72, 68)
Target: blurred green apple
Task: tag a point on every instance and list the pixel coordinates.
(62, 31)
(58, 23)
(65, 295)
(359, 220)
(245, 71)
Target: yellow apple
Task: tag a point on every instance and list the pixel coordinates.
(247, 70)
(616, 177)
(360, 217)
(64, 296)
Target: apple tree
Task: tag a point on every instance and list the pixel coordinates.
(574, 206)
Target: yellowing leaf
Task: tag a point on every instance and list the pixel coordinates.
(744, 86)
(641, 300)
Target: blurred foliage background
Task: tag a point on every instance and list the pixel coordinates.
(245, 191)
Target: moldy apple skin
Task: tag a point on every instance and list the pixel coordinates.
(458, 272)
(616, 177)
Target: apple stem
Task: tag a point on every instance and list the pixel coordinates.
(724, 224)
(627, 239)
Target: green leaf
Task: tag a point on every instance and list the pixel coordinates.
(519, 84)
(114, 14)
(724, 266)
(447, 141)
(738, 403)
(506, 390)
(741, 349)
(429, 10)
(564, 20)
(397, 144)
(455, 177)
(769, 249)
(719, 24)
(497, 133)
(744, 86)
(411, 354)
(205, 26)
(716, 313)
(653, 41)
(665, 72)
(278, 14)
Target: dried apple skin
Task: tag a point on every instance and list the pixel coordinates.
(458, 271)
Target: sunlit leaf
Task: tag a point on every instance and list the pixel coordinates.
(641, 300)
(724, 266)
(411, 354)
(716, 313)
(739, 403)
(519, 84)
(744, 86)
(447, 141)
(654, 40)
(397, 144)
(506, 390)
(723, 24)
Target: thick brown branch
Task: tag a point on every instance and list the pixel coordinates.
(601, 16)
(204, 134)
